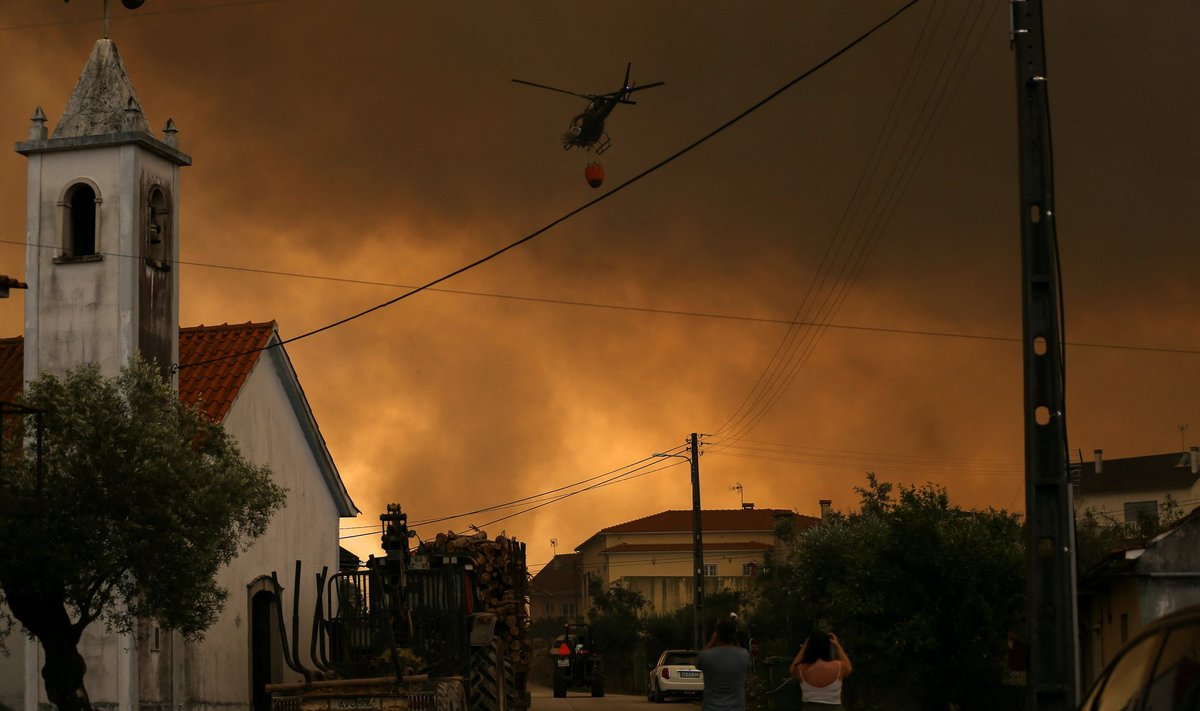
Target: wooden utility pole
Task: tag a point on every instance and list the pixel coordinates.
(1053, 677)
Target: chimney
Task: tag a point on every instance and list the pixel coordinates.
(1099, 460)
(826, 508)
(1194, 459)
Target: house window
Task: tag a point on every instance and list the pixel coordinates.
(710, 570)
(548, 608)
(80, 223)
(1141, 513)
(749, 568)
(568, 609)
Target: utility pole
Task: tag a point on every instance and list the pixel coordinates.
(1053, 677)
(697, 545)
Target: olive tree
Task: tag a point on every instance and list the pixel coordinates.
(136, 503)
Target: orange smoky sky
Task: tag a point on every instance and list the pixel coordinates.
(347, 150)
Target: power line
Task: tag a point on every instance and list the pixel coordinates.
(628, 476)
(139, 14)
(534, 497)
(894, 330)
(636, 178)
(799, 344)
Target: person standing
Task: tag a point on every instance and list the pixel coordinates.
(820, 666)
(725, 665)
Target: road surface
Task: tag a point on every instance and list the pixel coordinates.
(543, 700)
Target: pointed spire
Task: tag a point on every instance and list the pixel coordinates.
(37, 127)
(104, 100)
(171, 134)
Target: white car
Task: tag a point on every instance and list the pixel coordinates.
(675, 675)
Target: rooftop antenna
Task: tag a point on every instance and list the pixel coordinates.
(1182, 439)
(737, 486)
(554, 545)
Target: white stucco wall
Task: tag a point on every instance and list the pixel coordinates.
(218, 668)
(12, 671)
(215, 673)
(87, 312)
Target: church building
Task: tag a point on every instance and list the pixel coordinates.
(103, 237)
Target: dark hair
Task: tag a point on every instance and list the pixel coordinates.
(726, 631)
(816, 648)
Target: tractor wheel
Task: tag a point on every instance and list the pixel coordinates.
(597, 683)
(449, 696)
(516, 697)
(487, 690)
(560, 684)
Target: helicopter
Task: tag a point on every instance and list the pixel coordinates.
(586, 130)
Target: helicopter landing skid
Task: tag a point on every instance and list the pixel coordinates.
(603, 144)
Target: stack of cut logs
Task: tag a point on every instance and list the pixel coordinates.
(500, 578)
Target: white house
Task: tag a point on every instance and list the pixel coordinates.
(1132, 488)
(654, 555)
(101, 265)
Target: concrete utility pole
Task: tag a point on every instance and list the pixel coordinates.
(697, 544)
(1053, 677)
(697, 541)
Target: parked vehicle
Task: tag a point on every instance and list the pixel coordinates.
(577, 662)
(1157, 670)
(675, 674)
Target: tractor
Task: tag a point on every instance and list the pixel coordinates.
(438, 628)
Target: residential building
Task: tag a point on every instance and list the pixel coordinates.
(103, 234)
(654, 555)
(1131, 588)
(1134, 488)
(554, 593)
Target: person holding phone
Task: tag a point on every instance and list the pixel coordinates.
(820, 666)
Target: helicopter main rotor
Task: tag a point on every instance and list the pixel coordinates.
(620, 96)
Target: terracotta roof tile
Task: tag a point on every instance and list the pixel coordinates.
(676, 547)
(207, 375)
(561, 574)
(1151, 472)
(710, 520)
(213, 383)
(12, 367)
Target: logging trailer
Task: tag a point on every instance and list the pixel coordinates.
(439, 628)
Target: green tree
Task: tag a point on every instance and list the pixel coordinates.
(617, 625)
(141, 501)
(922, 593)
(1098, 534)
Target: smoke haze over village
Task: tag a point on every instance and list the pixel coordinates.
(346, 152)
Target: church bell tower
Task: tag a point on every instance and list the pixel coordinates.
(102, 207)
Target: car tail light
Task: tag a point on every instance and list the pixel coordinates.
(666, 673)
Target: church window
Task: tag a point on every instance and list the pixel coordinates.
(80, 221)
(158, 228)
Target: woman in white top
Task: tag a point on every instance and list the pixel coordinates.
(820, 666)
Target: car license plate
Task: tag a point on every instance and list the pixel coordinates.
(564, 662)
(689, 674)
(355, 704)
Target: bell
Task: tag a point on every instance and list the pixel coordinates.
(594, 172)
